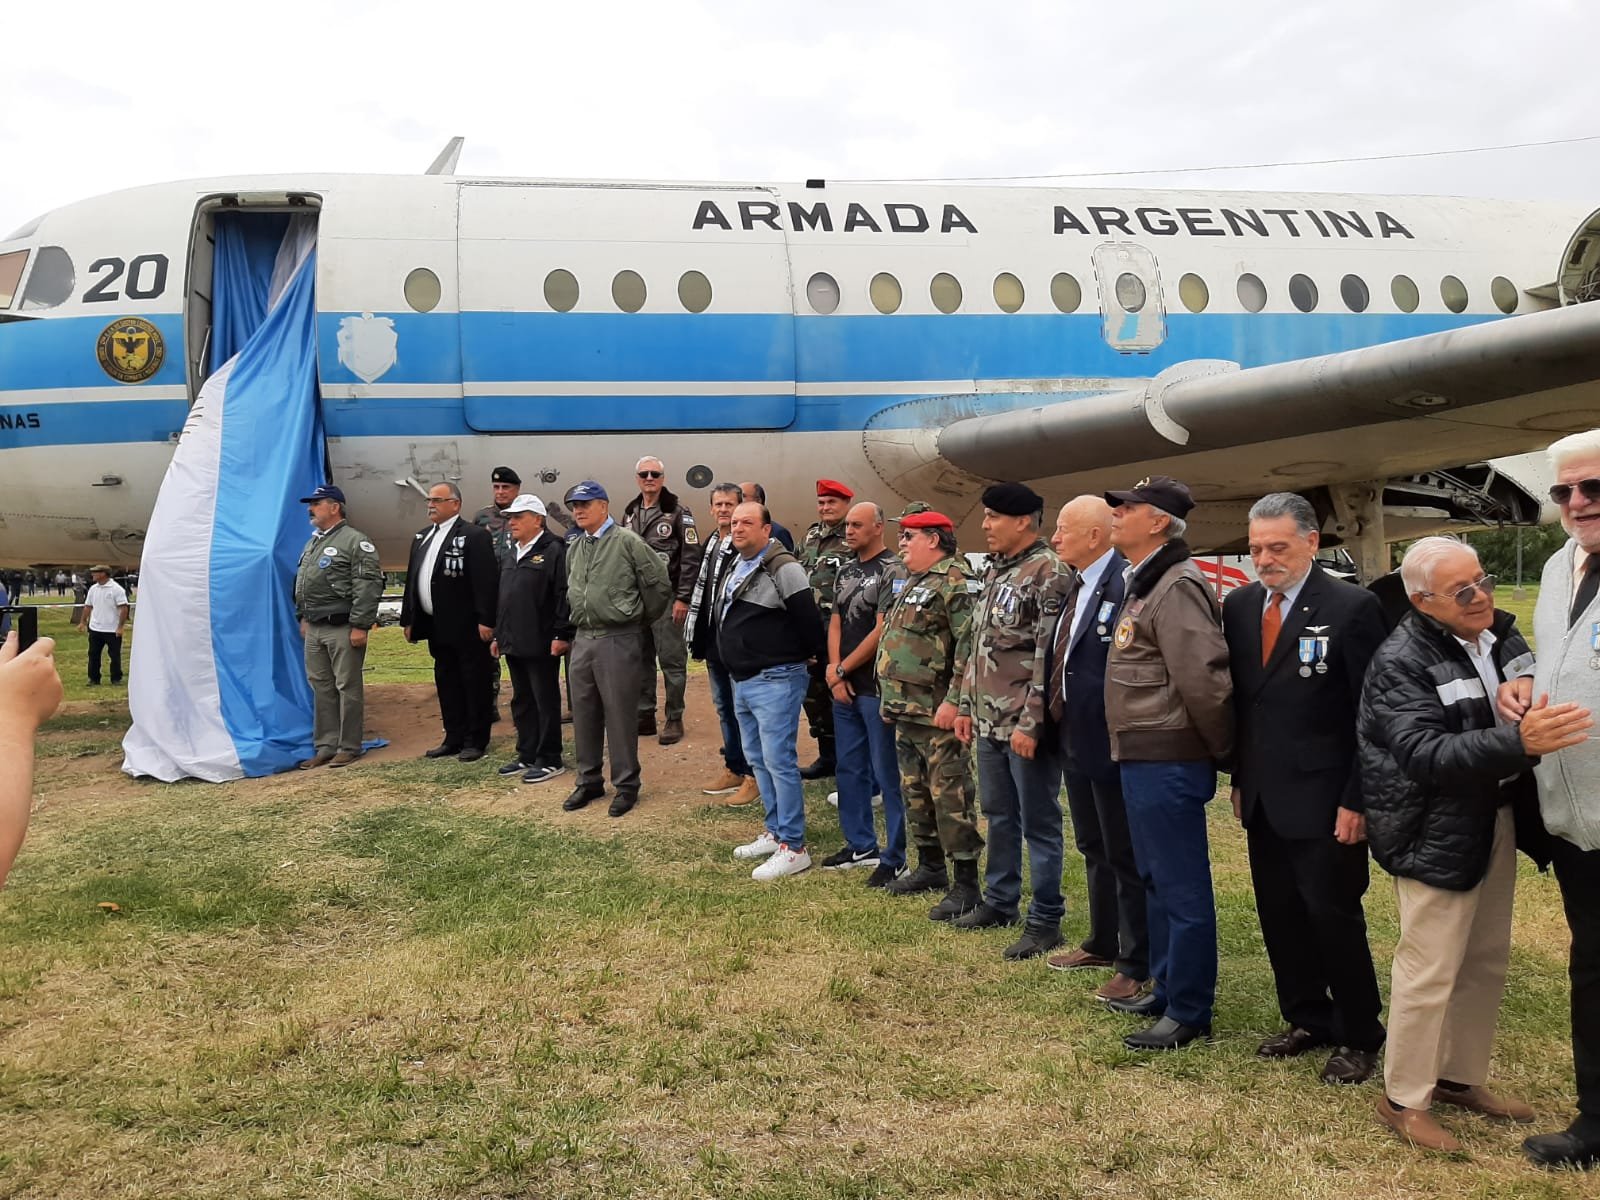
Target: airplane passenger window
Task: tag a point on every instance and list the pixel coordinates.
(422, 290)
(1008, 293)
(1454, 293)
(1252, 292)
(1406, 296)
(1501, 289)
(945, 290)
(1065, 293)
(1353, 291)
(694, 291)
(628, 290)
(823, 293)
(561, 290)
(1302, 292)
(885, 292)
(1194, 293)
(51, 281)
(1130, 291)
(10, 275)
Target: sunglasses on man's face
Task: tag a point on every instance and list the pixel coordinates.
(1589, 488)
(651, 474)
(1466, 595)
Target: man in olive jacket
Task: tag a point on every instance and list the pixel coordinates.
(1449, 798)
(616, 588)
(1169, 711)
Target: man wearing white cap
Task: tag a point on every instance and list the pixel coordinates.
(532, 631)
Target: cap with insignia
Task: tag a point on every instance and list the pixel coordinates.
(927, 519)
(585, 491)
(505, 475)
(1159, 491)
(832, 487)
(326, 492)
(1012, 499)
(524, 503)
(916, 506)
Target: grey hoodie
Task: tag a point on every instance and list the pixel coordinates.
(1569, 780)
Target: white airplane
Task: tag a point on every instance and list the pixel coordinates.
(916, 342)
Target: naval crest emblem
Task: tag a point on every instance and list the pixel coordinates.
(368, 345)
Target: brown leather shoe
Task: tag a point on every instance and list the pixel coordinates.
(1077, 957)
(320, 758)
(671, 732)
(1118, 987)
(344, 758)
(1417, 1126)
(1347, 1065)
(1291, 1043)
(1480, 1099)
(725, 782)
(749, 792)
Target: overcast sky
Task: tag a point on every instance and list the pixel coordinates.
(96, 97)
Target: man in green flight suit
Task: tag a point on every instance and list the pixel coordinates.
(336, 591)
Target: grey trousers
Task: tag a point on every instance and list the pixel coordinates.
(603, 675)
(663, 642)
(333, 667)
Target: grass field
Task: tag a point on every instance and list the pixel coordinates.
(400, 983)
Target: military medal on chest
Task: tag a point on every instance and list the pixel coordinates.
(1313, 653)
(1594, 645)
(1107, 607)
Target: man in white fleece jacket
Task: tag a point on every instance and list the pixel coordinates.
(1566, 627)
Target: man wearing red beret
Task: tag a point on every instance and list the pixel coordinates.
(821, 554)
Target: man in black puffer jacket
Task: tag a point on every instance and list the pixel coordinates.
(1449, 799)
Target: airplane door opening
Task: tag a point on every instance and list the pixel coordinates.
(1133, 314)
(261, 212)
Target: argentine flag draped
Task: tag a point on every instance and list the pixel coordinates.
(216, 685)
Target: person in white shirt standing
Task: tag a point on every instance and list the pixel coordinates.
(105, 612)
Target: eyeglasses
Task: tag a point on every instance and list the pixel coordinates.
(1562, 492)
(1465, 596)
(905, 535)
(651, 474)
(443, 500)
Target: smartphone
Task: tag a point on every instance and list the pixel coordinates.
(25, 620)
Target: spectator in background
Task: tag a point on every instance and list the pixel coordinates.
(103, 614)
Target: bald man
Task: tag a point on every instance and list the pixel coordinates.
(1075, 708)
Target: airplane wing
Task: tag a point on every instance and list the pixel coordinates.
(1491, 389)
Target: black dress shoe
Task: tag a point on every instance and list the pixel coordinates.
(985, 916)
(444, 751)
(1347, 1065)
(1564, 1149)
(1146, 1005)
(1035, 940)
(1291, 1043)
(471, 754)
(821, 769)
(581, 796)
(622, 802)
(1166, 1034)
(647, 724)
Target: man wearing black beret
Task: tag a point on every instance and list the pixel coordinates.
(506, 484)
(1002, 711)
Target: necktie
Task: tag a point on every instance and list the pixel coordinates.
(1271, 623)
(1587, 588)
(1058, 659)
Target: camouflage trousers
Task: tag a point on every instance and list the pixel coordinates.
(936, 785)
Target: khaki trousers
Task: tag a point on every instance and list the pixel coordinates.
(333, 667)
(1449, 976)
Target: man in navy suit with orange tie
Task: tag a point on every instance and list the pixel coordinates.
(1299, 642)
(1075, 705)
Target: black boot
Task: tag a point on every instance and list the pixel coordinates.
(928, 877)
(1035, 940)
(823, 767)
(963, 895)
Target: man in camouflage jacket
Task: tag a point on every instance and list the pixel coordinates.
(921, 660)
(820, 554)
(1002, 710)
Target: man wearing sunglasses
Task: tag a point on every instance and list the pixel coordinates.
(1449, 800)
(1566, 625)
(667, 526)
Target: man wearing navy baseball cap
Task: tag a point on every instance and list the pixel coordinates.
(336, 591)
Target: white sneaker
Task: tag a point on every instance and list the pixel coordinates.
(764, 845)
(833, 799)
(784, 861)
(877, 799)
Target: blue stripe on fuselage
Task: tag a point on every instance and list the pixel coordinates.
(639, 347)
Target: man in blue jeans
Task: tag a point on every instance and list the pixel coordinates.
(1169, 710)
(864, 744)
(768, 631)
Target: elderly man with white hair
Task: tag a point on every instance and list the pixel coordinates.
(1566, 626)
(1449, 800)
